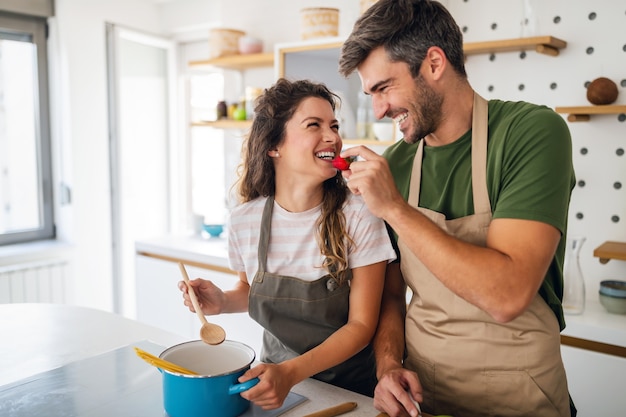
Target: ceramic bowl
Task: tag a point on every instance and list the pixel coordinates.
(250, 45)
(613, 296)
(214, 230)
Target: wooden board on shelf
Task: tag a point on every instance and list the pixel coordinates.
(237, 62)
(548, 45)
(610, 250)
(582, 113)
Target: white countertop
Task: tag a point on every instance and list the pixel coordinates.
(39, 338)
(595, 324)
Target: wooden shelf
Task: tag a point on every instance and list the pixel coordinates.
(583, 113)
(610, 250)
(237, 62)
(547, 45)
(225, 124)
(246, 124)
(369, 142)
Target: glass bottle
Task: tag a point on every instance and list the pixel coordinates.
(364, 117)
(573, 281)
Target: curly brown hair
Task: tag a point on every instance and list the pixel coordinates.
(273, 109)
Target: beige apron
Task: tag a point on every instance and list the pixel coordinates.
(468, 364)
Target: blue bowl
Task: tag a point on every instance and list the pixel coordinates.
(613, 288)
(214, 230)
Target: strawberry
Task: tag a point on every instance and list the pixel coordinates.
(343, 163)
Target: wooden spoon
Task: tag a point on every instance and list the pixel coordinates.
(210, 333)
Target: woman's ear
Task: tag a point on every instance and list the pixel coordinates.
(273, 153)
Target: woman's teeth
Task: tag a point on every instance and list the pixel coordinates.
(325, 155)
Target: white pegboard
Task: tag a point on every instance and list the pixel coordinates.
(595, 33)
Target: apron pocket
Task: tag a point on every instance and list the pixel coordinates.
(515, 393)
(426, 374)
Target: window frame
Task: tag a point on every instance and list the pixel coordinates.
(36, 28)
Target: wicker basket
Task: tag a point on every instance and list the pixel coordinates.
(319, 22)
(223, 42)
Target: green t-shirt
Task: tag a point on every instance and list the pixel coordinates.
(529, 176)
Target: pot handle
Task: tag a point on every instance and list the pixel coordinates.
(244, 386)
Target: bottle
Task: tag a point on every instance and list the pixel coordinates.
(252, 93)
(222, 110)
(573, 281)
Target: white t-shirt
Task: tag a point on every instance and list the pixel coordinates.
(293, 247)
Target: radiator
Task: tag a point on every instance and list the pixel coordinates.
(43, 281)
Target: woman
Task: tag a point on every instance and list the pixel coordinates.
(310, 257)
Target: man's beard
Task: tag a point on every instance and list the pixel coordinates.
(425, 111)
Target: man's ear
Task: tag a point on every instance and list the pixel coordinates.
(436, 61)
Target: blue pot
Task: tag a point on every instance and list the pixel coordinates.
(215, 392)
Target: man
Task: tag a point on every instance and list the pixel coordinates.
(477, 195)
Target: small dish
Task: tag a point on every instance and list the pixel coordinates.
(613, 305)
(613, 288)
(214, 230)
(613, 296)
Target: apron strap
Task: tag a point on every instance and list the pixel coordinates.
(264, 236)
(479, 155)
(479, 160)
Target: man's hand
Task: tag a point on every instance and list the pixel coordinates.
(396, 391)
(371, 178)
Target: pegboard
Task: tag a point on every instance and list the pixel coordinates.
(595, 33)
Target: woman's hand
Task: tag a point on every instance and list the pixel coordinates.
(210, 297)
(273, 387)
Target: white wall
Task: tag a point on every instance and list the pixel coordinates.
(80, 133)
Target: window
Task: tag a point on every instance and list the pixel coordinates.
(26, 207)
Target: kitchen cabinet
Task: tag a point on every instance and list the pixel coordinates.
(593, 347)
(595, 382)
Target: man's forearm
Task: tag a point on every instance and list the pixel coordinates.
(388, 341)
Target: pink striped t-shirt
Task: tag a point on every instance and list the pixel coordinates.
(293, 248)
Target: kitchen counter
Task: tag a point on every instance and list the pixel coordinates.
(595, 325)
(210, 253)
(65, 360)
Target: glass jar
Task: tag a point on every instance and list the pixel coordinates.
(573, 281)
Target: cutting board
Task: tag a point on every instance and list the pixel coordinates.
(116, 383)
